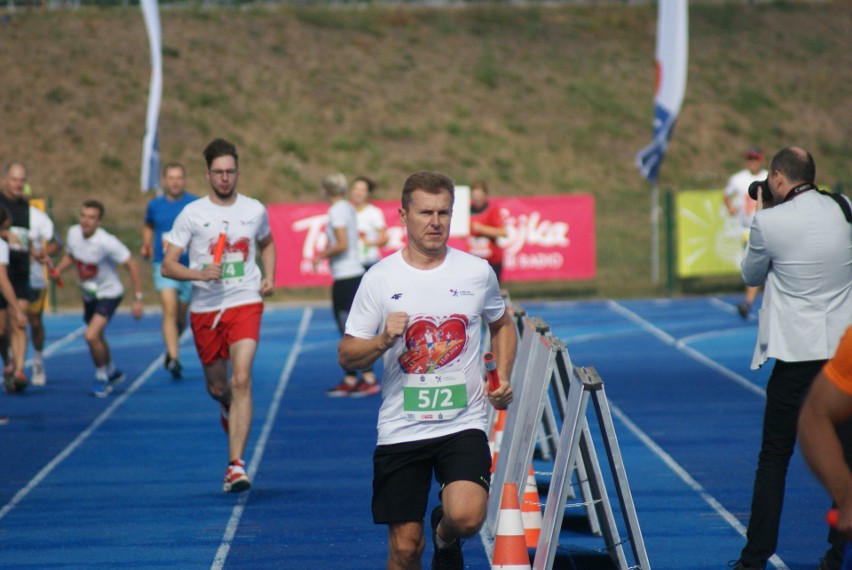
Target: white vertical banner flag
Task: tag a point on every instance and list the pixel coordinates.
(151, 144)
(672, 57)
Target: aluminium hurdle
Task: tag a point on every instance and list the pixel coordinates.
(549, 391)
(533, 365)
(531, 413)
(575, 444)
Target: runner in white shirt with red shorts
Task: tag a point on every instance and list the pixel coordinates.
(227, 293)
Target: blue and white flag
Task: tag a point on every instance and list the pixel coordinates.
(151, 142)
(672, 57)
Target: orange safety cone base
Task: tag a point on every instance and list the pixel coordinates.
(510, 545)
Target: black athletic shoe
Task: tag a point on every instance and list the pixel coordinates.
(744, 309)
(173, 365)
(449, 558)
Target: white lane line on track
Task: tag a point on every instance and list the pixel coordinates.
(80, 439)
(683, 347)
(657, 450)
(684, 476)
(260, 446)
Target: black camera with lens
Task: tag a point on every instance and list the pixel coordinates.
(761, 186)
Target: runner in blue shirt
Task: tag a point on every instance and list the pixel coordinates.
(174, 295)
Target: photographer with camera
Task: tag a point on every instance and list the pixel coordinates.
(800, 249)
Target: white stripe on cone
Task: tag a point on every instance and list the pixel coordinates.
(531, 511)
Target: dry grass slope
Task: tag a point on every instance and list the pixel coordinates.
(538, 100)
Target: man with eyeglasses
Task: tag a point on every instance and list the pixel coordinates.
(222, 232)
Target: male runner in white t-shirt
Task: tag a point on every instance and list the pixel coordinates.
(433, 417)
(96, 253)
(741, 208)
(227, 293)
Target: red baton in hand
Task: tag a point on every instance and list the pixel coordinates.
(831, 518)
(51, 270)
(219, 250)
(491, 371)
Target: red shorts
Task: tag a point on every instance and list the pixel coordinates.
(235, 323)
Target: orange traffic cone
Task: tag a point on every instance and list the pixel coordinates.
(510, 548)
(531, 511)
(496, 437)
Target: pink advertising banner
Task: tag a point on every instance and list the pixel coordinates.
(550, 238)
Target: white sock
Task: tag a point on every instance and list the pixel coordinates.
(101, 373)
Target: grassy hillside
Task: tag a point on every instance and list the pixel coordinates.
(537, 100)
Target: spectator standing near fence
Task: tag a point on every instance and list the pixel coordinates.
(741, 208)
(96, 253)
(372, 227)
(174, 295)
(486, 225)
(223, 232)
(430, 289)
(800, 248)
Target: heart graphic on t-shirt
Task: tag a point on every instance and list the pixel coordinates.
(431, 346)
(241, 245)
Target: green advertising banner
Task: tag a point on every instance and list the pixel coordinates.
(709, 242)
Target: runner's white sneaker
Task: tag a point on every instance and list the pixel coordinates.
(39, 378)
(236, 480)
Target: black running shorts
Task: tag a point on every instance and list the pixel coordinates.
(402, 472)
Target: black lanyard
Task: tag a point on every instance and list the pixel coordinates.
(800, 189)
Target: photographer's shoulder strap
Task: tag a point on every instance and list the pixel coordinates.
(842, 201)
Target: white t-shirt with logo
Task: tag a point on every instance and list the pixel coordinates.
(41, 230)
(96, 258)
(432, 382)
(371, 220)
(197, 229)
(346, 264)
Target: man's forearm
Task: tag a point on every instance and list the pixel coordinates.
(268, 256)
(359, 353)
(504, 344)
(147, 236)
(174, 269)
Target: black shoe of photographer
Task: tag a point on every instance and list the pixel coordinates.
(449, 558)
(744, 309)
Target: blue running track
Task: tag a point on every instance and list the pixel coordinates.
(135, 480)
